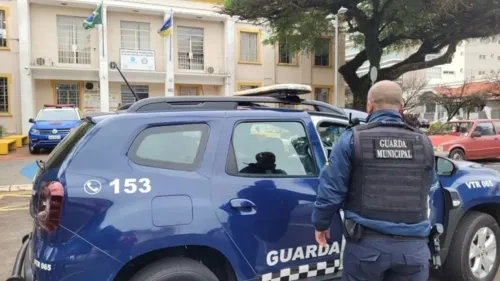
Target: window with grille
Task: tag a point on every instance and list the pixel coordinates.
(190, 49)
(142, 91)
(135, 35)
(4, 95)
(286, 56)
(3, 29)
(73, 40)
(68, 94)
(322, 53)
(248, 47)
(434, 73)
(322, 94)
(188, 90)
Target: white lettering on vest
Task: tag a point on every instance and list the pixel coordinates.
(392, 143)
(311, 251)
(396, 154)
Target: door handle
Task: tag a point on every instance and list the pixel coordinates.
(243, 205)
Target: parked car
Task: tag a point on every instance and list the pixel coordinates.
(424, 123)
(468, 139)
(51, 125)
(160, 191)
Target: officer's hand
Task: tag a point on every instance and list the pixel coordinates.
(321, 237)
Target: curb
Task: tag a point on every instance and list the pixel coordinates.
(16, 187)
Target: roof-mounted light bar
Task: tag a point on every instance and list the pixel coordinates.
(58, 105)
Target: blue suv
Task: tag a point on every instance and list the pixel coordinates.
(51, 125)
(220, 188)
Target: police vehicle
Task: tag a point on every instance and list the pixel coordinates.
(51, 125)
(181, 188)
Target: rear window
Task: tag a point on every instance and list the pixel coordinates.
(62, 150)
(173, 147)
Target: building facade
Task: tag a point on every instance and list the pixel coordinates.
(50, 58)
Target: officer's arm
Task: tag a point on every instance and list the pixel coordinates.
(333, 182)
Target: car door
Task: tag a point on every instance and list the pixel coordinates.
(267, 210)
(486, 144)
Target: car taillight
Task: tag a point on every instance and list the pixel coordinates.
(50, 203)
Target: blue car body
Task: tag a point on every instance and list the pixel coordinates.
(49, 133)
(111, 236)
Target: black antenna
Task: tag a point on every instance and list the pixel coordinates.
(113, 65)
(350, 118)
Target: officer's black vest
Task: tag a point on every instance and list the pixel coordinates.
(391, 173)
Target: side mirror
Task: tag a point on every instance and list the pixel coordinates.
(444, 167)
(31, 120)
(476, 134)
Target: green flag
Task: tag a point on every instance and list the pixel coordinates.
(95, 18)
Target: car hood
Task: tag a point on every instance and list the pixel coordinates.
(438, 139)
(55, 124)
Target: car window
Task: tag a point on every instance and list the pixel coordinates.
(277, 149)
(57, 115)
(63, 149)
(485, 128)
(174, 147)
(329, 133)
(497, 127)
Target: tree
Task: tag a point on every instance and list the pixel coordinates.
(378, 26)
(453, 99)
(413, 84)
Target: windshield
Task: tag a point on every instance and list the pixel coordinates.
(454, 129)
(57, 115)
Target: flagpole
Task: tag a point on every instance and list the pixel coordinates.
(102, 30)
(171, 33)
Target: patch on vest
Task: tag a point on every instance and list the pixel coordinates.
(393, 149)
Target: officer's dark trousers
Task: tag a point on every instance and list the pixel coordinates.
(386, 259)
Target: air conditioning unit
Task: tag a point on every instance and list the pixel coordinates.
(210, 70)
(40, 61)
(91, 86)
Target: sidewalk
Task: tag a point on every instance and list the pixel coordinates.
(11, 166)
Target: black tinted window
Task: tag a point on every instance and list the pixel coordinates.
(271, 149)
(175, 147)
(486, 129)
(62, 150)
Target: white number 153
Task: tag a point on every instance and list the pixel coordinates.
(132, 185)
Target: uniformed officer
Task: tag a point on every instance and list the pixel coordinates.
(382, 175)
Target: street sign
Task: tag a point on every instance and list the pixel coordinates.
(373, 74)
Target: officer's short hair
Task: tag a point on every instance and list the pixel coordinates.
(386, 93)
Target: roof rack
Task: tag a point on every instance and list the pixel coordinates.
(280, 94)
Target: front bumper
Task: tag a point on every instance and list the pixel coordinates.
(23, 261)
(442, 153)
(43, 141)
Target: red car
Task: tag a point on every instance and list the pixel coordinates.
(468, 139)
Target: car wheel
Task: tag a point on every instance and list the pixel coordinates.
(473, 250)
(175, 269)
(457, 154)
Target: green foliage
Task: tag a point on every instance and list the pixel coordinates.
(2, 129)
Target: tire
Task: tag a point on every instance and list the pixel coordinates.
(175, 269)
(457, 154)
(458, 266)
(34, 150)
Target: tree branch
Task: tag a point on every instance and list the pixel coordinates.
(417, 62)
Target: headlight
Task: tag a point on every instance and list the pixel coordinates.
(35, 131)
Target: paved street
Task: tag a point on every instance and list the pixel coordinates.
(15, 220)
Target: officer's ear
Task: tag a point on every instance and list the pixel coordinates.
(369, 107)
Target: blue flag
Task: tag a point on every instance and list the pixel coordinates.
(166, 28)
